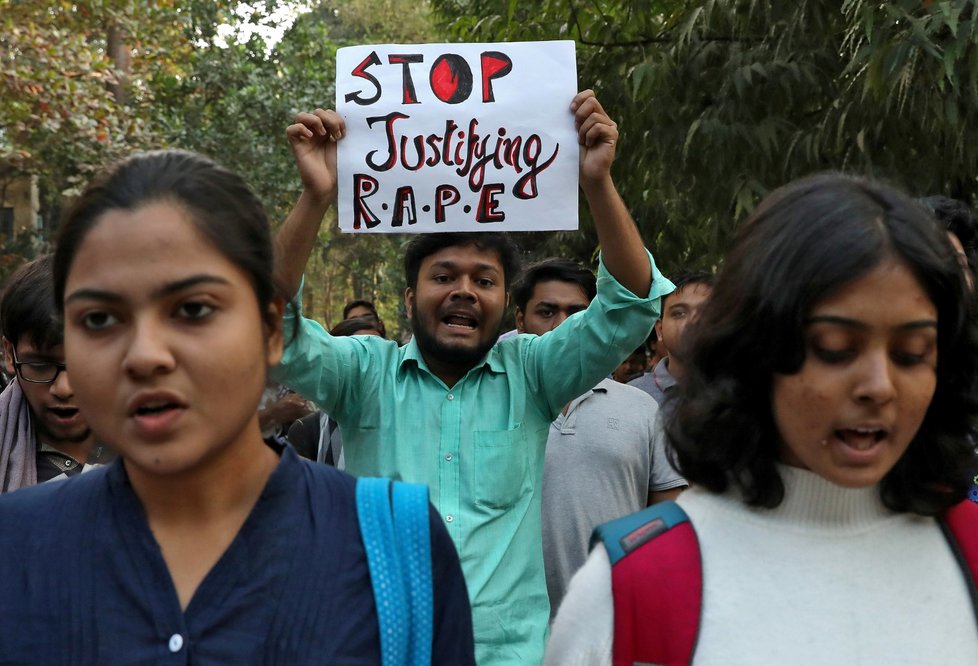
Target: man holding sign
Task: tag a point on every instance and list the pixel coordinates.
(454, 408)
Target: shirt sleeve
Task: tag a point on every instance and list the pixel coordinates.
(583, 631)
(662, 475)
(452, 638)
(584, 349)
(319, 366)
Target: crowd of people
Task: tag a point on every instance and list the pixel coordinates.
(772, 464)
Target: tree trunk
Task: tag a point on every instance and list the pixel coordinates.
(119, 52)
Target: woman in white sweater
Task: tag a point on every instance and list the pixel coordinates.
(823, 427)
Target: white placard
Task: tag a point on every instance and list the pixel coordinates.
(457, 137)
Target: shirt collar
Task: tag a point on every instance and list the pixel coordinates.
(413, 353)
(663, 378)
(601, 387)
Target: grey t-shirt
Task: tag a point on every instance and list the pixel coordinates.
(603, 459)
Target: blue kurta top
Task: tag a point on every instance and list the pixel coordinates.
(83, 581)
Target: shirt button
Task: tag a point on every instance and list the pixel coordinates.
(451, 396)
(449, 518)
(67, 463)
(448, 457)
(176, 642)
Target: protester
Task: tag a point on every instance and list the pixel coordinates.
(43, 436)
(633, 367)
(454, 408)
(822, 425)
(202, 543)
(361, 309)
(357, 326)
(605, 456)
(678, 309)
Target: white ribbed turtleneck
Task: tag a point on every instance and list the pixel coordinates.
(830, 576)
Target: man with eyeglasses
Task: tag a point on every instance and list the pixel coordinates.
(43, 436)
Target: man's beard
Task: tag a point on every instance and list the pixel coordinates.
(432, 348)
(48, 435)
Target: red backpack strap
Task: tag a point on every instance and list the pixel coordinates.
(657, 583)
(960, 526)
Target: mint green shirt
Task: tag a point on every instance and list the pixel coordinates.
(479, 445)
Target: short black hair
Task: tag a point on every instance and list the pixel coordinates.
(358, 303)
(28, 309)
(554, 268)
(803, 243)
(425, 245)
(685, 278)
(354, 324)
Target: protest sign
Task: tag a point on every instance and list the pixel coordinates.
(457, 137)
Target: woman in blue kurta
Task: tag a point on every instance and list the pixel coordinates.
(202, 543)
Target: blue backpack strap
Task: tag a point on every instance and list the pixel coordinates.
(386, 577)
(622, 536)
(412, 528)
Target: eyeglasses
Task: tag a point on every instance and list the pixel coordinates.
(38, 373)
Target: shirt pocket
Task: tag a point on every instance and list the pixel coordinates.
(501, 469)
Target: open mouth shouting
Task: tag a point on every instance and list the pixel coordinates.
(461, 321)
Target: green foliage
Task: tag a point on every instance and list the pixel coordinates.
(69, 104)
(720, 101)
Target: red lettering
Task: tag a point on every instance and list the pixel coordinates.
(364, 186)
(361, 71)
(408, 94)
(445, 196)
(451, 78)
(488, 204)
(495, 65)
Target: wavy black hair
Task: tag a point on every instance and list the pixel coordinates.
(804, 242)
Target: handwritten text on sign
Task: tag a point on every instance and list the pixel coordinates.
(457, 137)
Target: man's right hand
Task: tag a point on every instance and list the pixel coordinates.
(313, 139)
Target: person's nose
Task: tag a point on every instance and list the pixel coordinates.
(464, 289)
(148, 352)
(61, 387)
(875, 379)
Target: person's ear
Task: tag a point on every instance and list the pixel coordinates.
(658, 331)
(8, 357)
(409, 302)
(520, 321)
(274, 338)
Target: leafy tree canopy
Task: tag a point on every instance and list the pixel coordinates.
(720, 101)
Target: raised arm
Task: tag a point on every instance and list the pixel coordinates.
(313, 139)
(621, 245)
